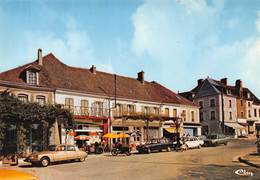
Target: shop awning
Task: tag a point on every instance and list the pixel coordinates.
(234, 125)
(173, 130)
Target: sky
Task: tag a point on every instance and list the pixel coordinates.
(175, 42)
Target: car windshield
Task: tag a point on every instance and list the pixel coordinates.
(52, 147)
(212, 137)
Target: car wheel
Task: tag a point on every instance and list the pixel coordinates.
(225, 143)
(168, 149)
(45, 161)
(114, 152)
(82, 159)
(199, 146)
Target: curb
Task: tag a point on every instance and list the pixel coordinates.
(248, 162)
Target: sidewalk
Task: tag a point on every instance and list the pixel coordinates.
(252, 159)
(20, 161)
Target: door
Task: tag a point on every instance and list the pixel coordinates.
(60, 154)
(71, 152)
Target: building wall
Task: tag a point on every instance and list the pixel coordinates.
(31, 93)
(241, 108)
(214, 125)
(139, 107)
(230, 109)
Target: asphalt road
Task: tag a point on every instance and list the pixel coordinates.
(206, 163)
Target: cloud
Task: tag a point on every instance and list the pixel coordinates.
(187, 40)
(257, 22)
(74, 46)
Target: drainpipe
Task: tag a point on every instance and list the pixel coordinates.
(223, 115)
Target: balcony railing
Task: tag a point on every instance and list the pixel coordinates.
(87, 111)
(132, 113)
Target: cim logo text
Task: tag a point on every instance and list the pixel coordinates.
(243, 172)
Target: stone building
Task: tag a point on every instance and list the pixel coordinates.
(98, 99)
(232, 109)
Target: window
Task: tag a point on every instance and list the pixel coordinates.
(241, 102)
(119, 109)
(192, 116)
(249, 113)
(31, 77)
(201, 116)
(97, 108)
(201, 104)
(69, 103)
(41, 100)
(84, 107)
(255, 112)
(212, 115)
(71, 148)
(184, 115)
(212, 103)
(242, 114)
(146, 110)
(174, 112)
(156, 110)
(23, 97)
(61, 148)
(248, 95)
(249, 104)
(166, 112)
(130, 109)
(230, 115)
(230, 103)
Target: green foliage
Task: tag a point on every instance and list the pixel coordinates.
(23, 115)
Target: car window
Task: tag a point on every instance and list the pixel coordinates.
(61, 148)
(212, 137)
(52, 148)
(71, 148)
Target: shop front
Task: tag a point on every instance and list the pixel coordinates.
(192, 129)
(139, 130)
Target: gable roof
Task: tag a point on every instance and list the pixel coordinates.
(55, 74)
(205, 89)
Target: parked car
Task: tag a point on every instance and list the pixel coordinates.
(155, 145)
(216, 139)
(57, 153)
(193, 142)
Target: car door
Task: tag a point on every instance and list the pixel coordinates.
(60, 153)
(71, 152)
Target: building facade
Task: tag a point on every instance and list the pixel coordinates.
(224, 108)
(101, 102)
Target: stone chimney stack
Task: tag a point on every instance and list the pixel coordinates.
(40, 62)
(224, 81)
(200, 81)
(239, 84)
(93, 69)
(140, 76)
(239, 87)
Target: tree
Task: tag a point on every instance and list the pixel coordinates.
(22, 115)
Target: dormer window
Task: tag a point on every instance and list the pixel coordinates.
(31, 77)
(248, 95)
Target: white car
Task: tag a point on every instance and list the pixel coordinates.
(193, 142)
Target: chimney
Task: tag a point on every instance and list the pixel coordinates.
(93, 69)
(40, 57)
(239, 87)
(200, 81)
(224, 81)
(239, 84)
(141, 76)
